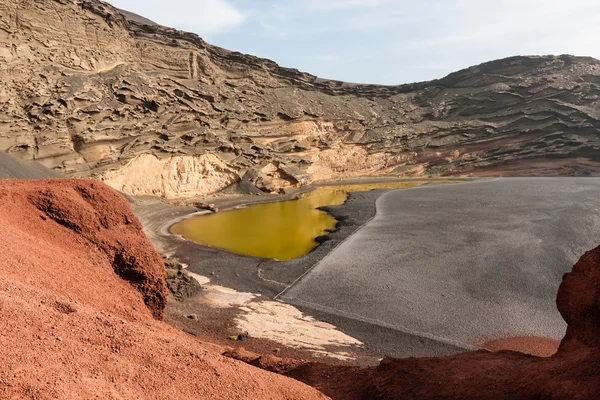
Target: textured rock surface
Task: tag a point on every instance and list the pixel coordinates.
(572, 373)
(102, 218)
(71, 328)
(86, 90)
(179, 281)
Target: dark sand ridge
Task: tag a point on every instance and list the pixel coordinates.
(462, 263)
(572, 373)
(10, 167)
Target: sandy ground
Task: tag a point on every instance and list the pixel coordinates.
(571, 373)
(11, 167)
(459, 263)
(267, 278)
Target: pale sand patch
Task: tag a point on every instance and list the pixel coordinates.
(202, 280)
(277, 321)
(287, 325)
(220, 296)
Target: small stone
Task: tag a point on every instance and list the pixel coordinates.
(206, 206)
(59, 339)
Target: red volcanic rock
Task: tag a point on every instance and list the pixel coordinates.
(578, 302)
(572, 373)
(103, 218)
(80, 290)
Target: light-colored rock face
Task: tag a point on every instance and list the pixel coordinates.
(348, 160)
(173, 177)
(85, 91)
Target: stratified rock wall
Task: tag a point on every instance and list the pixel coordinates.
(86, 90)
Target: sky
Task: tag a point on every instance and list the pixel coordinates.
(384, 41)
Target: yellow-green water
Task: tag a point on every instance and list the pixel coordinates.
(281, 230)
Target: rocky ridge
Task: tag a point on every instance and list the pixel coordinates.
(91, 91)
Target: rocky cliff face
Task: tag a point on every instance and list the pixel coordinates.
(90, 91)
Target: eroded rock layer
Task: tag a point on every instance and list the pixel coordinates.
(92, 92)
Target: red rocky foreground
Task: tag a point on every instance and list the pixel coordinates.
(81, 294)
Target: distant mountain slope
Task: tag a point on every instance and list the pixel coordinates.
(10, 167)
(94, 92)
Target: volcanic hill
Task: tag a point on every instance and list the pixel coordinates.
(91, 91)
(81, 294)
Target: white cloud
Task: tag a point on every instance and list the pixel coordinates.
(204, 17)
(288, 18)
(438, 41)
(508, 27)
(320, 5)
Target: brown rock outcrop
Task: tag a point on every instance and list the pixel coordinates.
(80, 290)
(94, 92)
(572, 373)
(579, 303)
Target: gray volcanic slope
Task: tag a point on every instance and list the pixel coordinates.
(153, 110)
(10, 167)
(462, 262)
